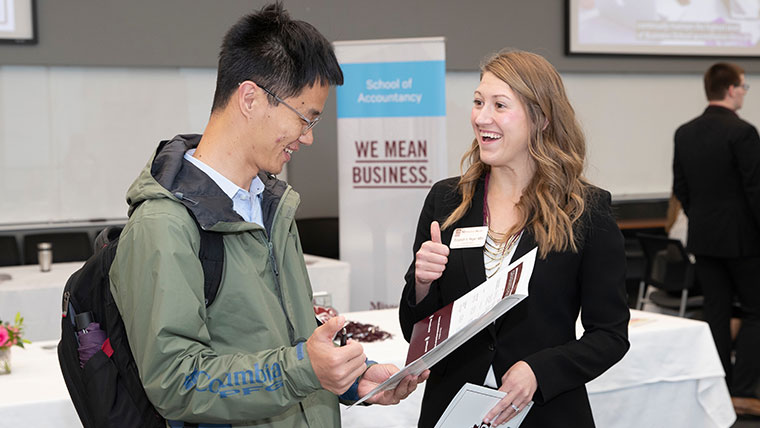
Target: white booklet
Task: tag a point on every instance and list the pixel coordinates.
(438, 335)
(472, 403)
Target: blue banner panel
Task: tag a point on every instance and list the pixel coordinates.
(393, 89)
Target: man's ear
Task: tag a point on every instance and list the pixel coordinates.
(247, 96)
(731, 92)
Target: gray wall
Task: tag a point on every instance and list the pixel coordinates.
(187, 33)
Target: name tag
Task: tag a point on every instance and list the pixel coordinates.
(469, 237)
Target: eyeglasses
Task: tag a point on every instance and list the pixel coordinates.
(744, 86)
(309, 123)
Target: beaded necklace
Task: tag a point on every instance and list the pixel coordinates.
(498, 245)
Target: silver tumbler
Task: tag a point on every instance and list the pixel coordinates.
(45, 255)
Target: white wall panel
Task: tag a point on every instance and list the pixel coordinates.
(73, 139)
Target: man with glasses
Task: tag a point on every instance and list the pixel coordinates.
(716, 176)
(255, 356)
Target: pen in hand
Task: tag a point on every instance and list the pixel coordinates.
(340, 337)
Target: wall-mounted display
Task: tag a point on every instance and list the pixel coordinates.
(17, 21)
(664, 27)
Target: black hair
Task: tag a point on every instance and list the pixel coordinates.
(272, 50)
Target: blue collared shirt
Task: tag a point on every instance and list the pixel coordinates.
(247, 203)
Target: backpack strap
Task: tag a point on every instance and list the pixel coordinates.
(211, 255)
(212, 260)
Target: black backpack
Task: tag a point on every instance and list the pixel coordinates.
(108, 392)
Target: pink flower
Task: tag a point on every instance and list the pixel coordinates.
(3, 335)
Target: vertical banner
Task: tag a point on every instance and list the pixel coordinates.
(391, 149)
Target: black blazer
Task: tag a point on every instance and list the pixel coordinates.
(716, 176)
(540, 330)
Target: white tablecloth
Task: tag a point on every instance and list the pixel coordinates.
(37, 295)
(670, 378)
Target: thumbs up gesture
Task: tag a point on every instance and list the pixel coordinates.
(336, 367)
(430, 261)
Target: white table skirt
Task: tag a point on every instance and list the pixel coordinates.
(34, 394)
(693, 403)
(37, 295)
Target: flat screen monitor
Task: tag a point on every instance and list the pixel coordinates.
(664, 27)
(17, 19)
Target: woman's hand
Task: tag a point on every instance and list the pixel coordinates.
(430, 262)
(520, 384)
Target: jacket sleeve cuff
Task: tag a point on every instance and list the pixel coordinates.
(352, 395)
(411, 311)
(301, 372)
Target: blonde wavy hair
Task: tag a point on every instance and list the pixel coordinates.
(555, 198)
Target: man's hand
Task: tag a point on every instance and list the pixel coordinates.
(336, 367)
(379, 373)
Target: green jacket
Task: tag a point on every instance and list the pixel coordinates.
(242, 360)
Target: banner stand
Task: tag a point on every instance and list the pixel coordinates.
(391, 149)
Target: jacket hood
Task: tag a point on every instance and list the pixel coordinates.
(169, 176)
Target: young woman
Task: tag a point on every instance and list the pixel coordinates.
(524, 181)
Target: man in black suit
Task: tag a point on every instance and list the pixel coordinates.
(716, 176)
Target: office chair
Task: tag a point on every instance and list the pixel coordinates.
(9, 254)
(319, 236)
(67, 246)
(668, 268)
(634, 269)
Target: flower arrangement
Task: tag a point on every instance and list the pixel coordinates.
(10, 335)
